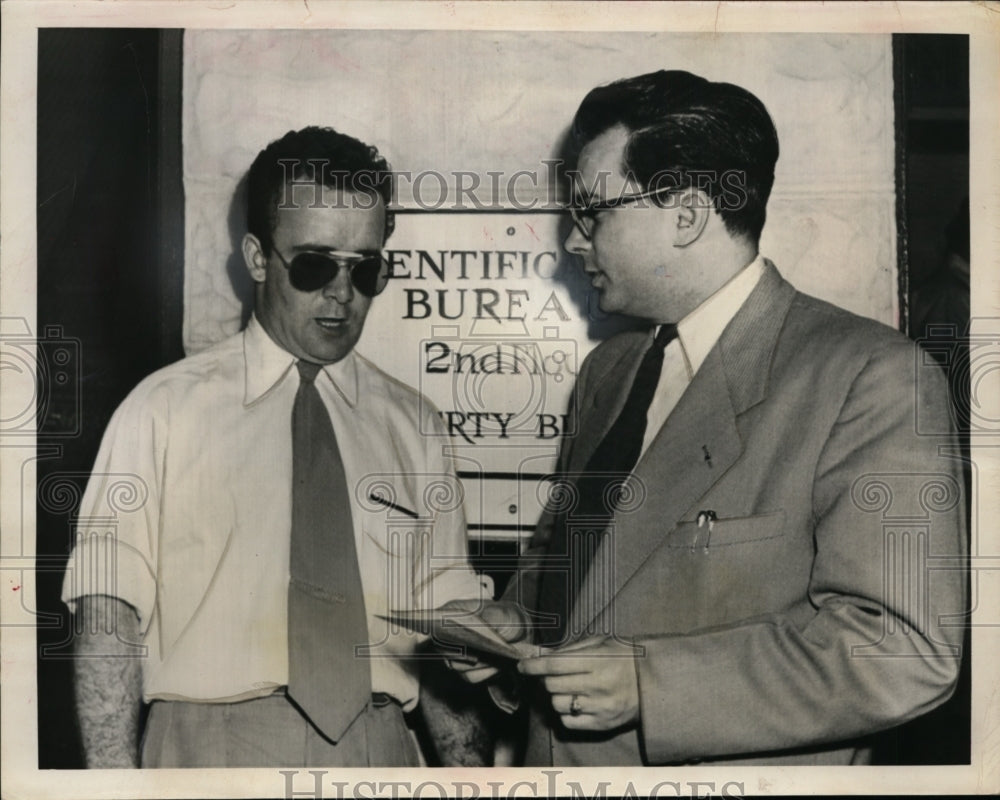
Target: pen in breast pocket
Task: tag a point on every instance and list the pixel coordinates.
(389, 504)
(709, 516)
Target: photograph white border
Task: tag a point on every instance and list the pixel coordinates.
(18, 75)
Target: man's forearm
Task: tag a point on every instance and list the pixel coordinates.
(108, 682)
(456, 717)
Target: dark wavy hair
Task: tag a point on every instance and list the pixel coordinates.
(686, 130)
(313, 154)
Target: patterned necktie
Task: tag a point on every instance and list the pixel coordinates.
(326, 607)
(598, 491)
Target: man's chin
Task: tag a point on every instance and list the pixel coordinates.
(607, 305)
(331, 352)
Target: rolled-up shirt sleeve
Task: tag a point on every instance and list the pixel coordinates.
(114, 552)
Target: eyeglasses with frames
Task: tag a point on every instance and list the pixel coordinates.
(312, 270)
(585, 216)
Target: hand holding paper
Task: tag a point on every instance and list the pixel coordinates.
(477, 636)
(592, 682)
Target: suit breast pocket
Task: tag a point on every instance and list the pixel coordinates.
(727, 531)
(736, 568)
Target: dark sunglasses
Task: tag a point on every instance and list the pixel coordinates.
(311, 270)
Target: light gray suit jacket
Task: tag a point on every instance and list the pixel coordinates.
(825, 603)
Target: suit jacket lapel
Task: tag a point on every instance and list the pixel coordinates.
(747, 344)
(669, 478)
(674, 471)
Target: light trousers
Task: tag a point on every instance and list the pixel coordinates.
(271, 732)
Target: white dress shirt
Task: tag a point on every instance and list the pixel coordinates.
(187, 517)
(697, 334)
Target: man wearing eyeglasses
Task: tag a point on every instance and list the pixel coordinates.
(719, 577)
(285, 497)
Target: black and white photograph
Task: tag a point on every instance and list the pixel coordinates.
(499, 399)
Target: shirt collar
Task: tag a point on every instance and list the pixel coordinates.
(700, 330)
(267, 364)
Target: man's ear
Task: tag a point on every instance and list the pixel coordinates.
(693, 210)
(254, 258)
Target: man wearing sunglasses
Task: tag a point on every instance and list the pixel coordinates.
(720, 578)
(287, 495)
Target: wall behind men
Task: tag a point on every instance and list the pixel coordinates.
(490, 104)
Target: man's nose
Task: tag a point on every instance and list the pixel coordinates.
(576, 242)
(340, 287)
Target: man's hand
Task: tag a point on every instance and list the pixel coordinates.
(504, 618)
(595, 678)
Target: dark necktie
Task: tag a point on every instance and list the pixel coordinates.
(326, 607)
(577, 532)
